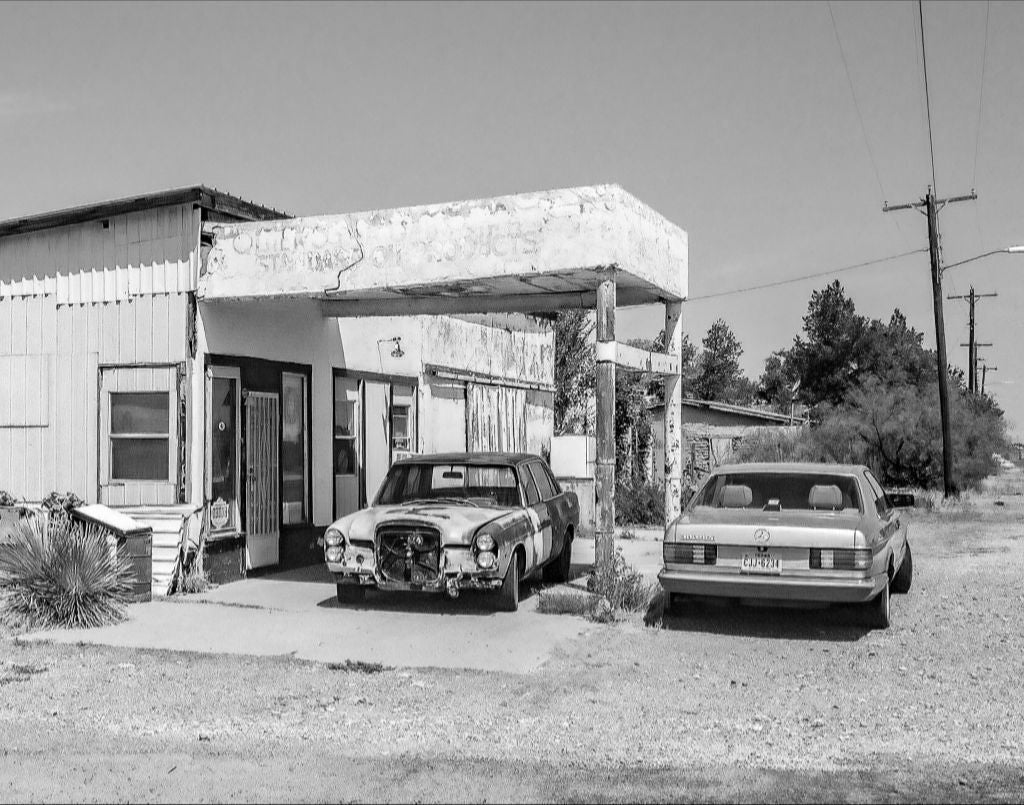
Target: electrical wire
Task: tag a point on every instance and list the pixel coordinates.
(860, 118)
(927, 99)
(807, 276)
(856, 106)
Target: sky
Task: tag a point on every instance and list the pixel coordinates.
(773, 133)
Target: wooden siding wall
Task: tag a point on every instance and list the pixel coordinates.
(73, 299)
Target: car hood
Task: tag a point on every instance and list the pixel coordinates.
(456, 523)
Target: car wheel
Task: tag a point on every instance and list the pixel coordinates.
(878, 608)
(558, 571)
(674, 603)
(351, 593)
(902, 580)
(508, 595)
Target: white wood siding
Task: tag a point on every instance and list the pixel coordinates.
(68, 302)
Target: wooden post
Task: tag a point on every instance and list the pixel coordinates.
(605, 388)
(673, 413)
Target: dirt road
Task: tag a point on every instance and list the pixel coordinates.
(723, 703)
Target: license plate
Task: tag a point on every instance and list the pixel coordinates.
(761, 563)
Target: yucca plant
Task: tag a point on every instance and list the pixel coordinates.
(64, 576)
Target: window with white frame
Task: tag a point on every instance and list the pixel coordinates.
(140, 436)
(139, 440)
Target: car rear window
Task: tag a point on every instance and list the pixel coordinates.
(779, 491)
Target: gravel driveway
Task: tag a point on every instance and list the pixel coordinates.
(722, 703)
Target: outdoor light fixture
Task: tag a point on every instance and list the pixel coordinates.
(1007, 250)
(397, 352)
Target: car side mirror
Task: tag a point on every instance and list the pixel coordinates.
(901, 500)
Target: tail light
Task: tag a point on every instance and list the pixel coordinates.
(840, 558)
(687, 553)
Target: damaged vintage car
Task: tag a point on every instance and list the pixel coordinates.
(456, 521)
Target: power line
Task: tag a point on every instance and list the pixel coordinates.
(807, 276)
(927, 100)
(860, 116)
(856, 106)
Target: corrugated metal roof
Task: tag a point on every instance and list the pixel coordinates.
(207, 198)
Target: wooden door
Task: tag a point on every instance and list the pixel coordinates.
(262, 506)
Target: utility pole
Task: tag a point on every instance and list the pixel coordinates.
(931, 206)
(985, 368)
(972, 345)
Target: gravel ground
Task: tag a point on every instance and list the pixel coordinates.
(723, 702)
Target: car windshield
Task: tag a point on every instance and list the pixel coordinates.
(777, 491)
(469, 484)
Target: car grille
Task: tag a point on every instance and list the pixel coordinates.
(409, 553)
(688, 553)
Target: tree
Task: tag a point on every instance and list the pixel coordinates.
(894, 353)
(777, 384)
(718, 367)
(828, 358)
(574, 371)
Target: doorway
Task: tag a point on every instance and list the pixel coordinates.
(262, 510)
(375, 423)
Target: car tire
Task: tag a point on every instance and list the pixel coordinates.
(904, 578)
(878, 608)
(674, 604)
(351, 593)
(508, 595)
(558, 570)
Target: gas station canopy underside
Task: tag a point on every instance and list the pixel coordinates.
(530, 252)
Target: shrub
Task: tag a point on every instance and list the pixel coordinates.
(68, 577)
(621, 584)
(193, 576)
(639, 502)
(59, 506)
(7, 499)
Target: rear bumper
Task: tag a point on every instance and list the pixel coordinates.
(780, 588)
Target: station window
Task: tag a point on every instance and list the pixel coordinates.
(140, 436)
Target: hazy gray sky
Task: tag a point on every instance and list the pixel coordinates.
(736, 121)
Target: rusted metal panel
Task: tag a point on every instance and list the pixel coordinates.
(495, 418)
(449, 252)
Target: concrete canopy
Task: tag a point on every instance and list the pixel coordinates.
(528, 252)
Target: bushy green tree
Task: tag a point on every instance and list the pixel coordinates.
(874, 398)
(828, 356)
(718, 375)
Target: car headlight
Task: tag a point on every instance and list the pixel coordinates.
(486, 560)
(334, 538)
(485, 543)
(334, 554)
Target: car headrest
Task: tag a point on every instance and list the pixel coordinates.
(736, 496)
(825, 497)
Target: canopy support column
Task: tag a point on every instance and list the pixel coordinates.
(673, 412)
(605, 390)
